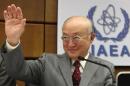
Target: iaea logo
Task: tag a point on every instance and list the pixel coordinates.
(109, 22)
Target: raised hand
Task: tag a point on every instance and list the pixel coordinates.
(14, 24)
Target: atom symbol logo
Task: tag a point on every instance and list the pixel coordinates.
(108, 20)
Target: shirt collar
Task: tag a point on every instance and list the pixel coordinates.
(82, 62)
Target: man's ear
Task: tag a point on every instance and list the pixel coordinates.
(93, 36)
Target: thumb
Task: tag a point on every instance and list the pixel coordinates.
(24, 21)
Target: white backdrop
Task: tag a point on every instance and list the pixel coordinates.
(111, 24)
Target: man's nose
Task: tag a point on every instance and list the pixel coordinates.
(71, 43)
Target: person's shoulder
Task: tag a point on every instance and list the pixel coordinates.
(103, 61)
(49, 54)
(52, 56)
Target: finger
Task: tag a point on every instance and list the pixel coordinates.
(19, 13)
(6, 16)
(9, 12)
(24, 21)
(13, 10)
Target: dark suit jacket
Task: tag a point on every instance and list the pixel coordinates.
(55, 70)
(5, 80)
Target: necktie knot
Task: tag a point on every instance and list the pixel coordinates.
(77, 63)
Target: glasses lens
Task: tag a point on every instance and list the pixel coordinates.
(74, 39)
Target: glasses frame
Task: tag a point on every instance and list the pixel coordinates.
(74, 39)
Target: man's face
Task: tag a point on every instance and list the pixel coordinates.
(76, 39)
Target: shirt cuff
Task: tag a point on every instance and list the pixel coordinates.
(9, 47)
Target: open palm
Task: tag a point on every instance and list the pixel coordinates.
(14, 23)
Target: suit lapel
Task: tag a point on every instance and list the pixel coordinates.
(88, 73)
(65, 67)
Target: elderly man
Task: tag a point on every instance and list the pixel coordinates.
(52, 69)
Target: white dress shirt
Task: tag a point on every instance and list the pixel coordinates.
(9, 47)
(83, 63)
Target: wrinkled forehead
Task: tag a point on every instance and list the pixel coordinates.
(77, 24)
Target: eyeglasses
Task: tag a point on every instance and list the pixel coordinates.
(75, 39)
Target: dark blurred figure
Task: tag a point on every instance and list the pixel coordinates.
(5, 80)
(29, 84)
